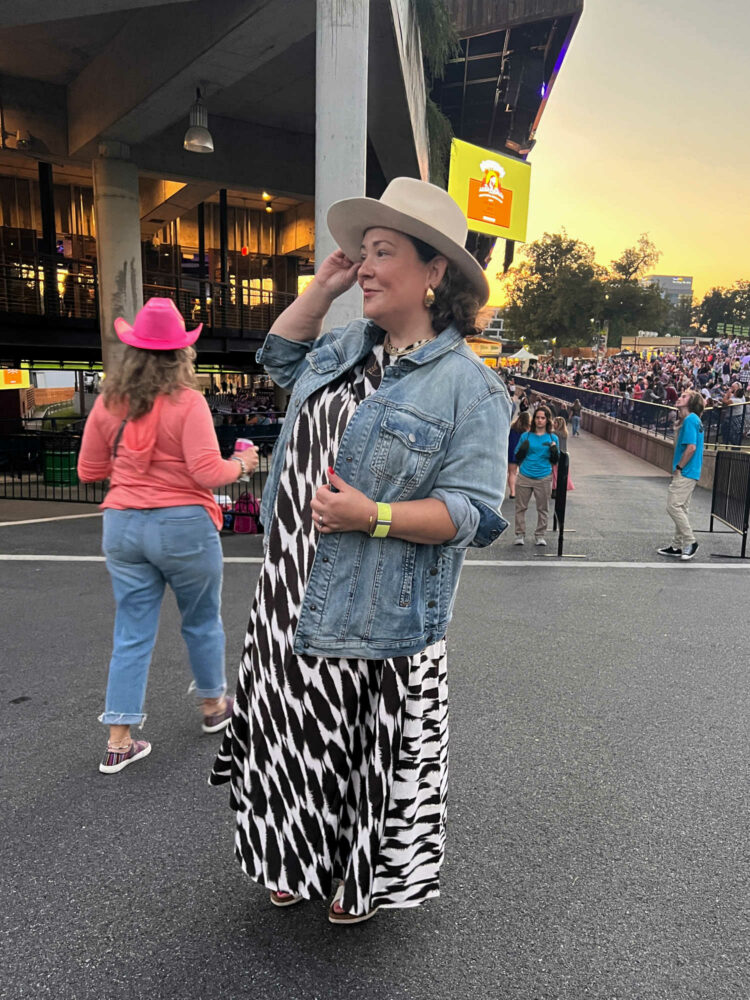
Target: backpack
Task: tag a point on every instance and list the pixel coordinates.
(246, 512)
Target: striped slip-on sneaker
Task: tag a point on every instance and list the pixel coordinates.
(116, 760)
(220, 720)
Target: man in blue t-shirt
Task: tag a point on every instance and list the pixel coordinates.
(686, 471)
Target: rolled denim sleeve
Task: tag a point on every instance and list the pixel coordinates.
(471, 482)
(284, 360)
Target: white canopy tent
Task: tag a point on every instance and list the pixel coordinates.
(523, 357)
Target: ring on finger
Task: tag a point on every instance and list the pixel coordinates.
(320, 519)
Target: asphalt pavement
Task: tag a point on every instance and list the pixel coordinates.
(598, 806)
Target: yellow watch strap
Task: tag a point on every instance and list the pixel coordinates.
(383, 523)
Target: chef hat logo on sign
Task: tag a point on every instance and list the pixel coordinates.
(492, 175)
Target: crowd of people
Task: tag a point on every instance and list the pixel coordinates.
(719, 371)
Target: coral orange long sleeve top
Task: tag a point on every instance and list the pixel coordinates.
(168, 458)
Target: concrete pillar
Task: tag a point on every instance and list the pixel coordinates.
(118, 243)
(341, 51)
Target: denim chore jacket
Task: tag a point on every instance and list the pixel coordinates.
(436, 427)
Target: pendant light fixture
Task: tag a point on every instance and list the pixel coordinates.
(197, 138)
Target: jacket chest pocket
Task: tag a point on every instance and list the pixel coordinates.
(406, 447)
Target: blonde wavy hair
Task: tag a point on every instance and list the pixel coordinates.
(144, 375)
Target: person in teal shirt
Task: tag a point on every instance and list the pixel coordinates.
(537, 451)
(687, 464)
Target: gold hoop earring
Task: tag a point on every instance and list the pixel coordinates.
(429, 298)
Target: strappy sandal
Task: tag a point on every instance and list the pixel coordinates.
(339, 917)
(284, 898)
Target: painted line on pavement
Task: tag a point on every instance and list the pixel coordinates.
(473, 563)
(43, 520)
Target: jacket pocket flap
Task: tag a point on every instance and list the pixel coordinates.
(324, 359)
(415, 431)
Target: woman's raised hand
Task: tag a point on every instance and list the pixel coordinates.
(336, 274)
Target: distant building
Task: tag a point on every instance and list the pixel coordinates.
(673, 288)
(492, 323)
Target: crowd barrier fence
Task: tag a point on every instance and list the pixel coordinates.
(723, 425)
(38, 460)
(730, 499)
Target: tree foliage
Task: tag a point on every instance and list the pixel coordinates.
(628, 308)
(634, 262)
(724, 305)
(560, 291)
(439, 44)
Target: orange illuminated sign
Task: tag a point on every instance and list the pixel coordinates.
(492, 190)
(14, 378)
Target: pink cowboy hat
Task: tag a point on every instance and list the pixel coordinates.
(158, 326)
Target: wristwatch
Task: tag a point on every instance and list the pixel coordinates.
(678, 468)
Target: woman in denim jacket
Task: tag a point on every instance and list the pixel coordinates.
(390, 464)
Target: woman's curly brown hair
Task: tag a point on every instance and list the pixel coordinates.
(455, 299)
(143, 375)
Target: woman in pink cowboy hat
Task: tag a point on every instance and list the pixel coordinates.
(152, 435)
(391, 463)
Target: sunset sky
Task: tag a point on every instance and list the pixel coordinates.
(646, 130)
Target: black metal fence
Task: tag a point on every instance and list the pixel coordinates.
(223, 305)
(49, 285)
(730, 500)
(723, 425)
(38, 460)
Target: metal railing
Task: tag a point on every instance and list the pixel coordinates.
(54, 286)
(49, 285)
(38, 460)
(730, 499)
(223, 306)
(723, 425)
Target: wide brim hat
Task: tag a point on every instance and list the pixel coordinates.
(417, 209)
(158, 326)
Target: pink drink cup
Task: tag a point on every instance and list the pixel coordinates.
(242, 444)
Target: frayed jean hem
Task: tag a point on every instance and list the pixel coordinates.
(122, 719)
(216, 692)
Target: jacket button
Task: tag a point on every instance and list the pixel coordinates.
(313, 607)
(412, 438)
(430, 604)
(306, 645)
(349, 458)
(433, 570)
(324, 559)
(494, 533)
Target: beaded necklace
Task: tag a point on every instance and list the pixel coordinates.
(398, 352)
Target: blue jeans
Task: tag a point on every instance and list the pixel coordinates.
(576, 421)
(145, 550)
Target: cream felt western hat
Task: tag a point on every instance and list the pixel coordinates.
(417, 209)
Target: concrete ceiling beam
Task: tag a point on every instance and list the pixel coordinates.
(165, 201)
(13, 13)
(479, 17)
(248, 156)
(144, 86)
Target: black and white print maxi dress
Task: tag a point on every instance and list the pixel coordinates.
(337, 767)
